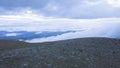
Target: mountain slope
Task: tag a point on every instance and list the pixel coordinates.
(74, 53)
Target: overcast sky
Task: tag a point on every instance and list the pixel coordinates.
(76, 9)
(89, 18)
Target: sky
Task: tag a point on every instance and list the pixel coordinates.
(88, 18)
(77, 9)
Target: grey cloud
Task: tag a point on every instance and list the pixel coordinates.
(65, 8)
(83, 9)
(11, 4)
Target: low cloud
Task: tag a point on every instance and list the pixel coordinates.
(110, 30)
(11, 34)
(102, 27)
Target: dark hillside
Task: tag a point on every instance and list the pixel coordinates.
(74, 53)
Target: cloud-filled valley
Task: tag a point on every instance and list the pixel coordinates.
(34, 28)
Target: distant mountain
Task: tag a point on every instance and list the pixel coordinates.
(74, 53)
(24, 35)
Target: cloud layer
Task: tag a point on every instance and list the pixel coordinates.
(64, 8)
(103, 27)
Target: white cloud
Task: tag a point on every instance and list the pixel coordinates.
(38, 23)
(114, 3)
(110, 30)
(38, 32)
(104, 27)
(11, 34)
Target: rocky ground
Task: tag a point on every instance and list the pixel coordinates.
(75, 53)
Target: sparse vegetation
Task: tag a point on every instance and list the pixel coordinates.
(75, 53)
